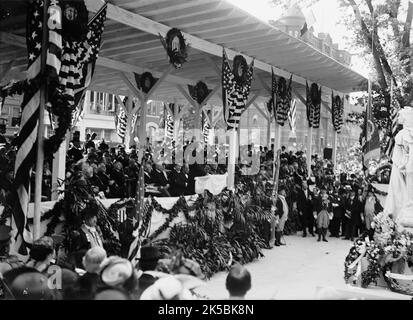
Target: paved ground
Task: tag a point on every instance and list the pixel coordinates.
(293, 271)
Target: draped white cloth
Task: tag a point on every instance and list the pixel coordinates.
(213, 183)
(397, 194)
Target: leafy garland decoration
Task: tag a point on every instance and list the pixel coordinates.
(60, 109)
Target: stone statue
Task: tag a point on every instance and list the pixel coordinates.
(397, 192)
(399, 202)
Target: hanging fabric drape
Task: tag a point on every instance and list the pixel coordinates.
(313, 105)
(337, 106)
(236, 85)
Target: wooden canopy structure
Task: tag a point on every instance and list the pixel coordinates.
(131, 45)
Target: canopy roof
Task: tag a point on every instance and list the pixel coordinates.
(131, 44)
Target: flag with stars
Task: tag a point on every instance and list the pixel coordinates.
(234, 95)
(141, 208)
(394, 125)
(26, 141)
(68, 69)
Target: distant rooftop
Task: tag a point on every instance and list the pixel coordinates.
(293, 21)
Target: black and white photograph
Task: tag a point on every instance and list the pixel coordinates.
(217, 152)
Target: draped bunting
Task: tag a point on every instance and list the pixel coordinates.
(283, 99)
(337, 106)
(313, 105)
(235, 91)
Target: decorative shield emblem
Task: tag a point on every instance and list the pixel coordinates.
(75, 18)
(239, 69)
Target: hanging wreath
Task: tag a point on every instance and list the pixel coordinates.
(199, 92)
(176, 47)
(74, 20)
(145, 81)
(239, 69)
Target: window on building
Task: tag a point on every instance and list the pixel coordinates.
(5, 110)
(108, 134)
(15, 121)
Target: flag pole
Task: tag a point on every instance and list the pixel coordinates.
(40, 131)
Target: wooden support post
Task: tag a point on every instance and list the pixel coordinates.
(176, 121)
(278, 133)
(269, 131)
(233, 143)
(142, 129)
(309, 150)
(335, 136)
(130, 113)
(59, 168)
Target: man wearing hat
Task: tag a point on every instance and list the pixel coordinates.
(90, 235)
(148, 262)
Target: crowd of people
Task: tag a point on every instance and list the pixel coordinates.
(323, 203)
(155, 277)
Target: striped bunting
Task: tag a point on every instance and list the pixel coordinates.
(169, 123)
(121, 120)
(283, 100)
(205, 127)
(292, 115)
(337, 106)
(313, 105)
(234, 95)
(395, 128)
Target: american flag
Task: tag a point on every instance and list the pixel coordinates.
(313, 107)
(282, 100)
(77, 116)
(169, 122)
(337, 112)
(206, 127)
(121, 120)
(26, 141)
(234, 96)
(69, 68)
(371, 139)
(141, 207)
(292, 115)
(395, 128)
(134, 119)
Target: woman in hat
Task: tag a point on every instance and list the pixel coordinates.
(42, 254)
(90, 235)
(119, 273)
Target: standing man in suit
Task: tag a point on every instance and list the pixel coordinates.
(179, 181)
(354, 211)
(305, 208)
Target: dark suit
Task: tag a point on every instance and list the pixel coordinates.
(179, 183)
(145, 281)
(305, 209)
(354, 224)
(338, 214)
(159, 178)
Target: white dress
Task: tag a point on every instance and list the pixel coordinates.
(397, 194)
